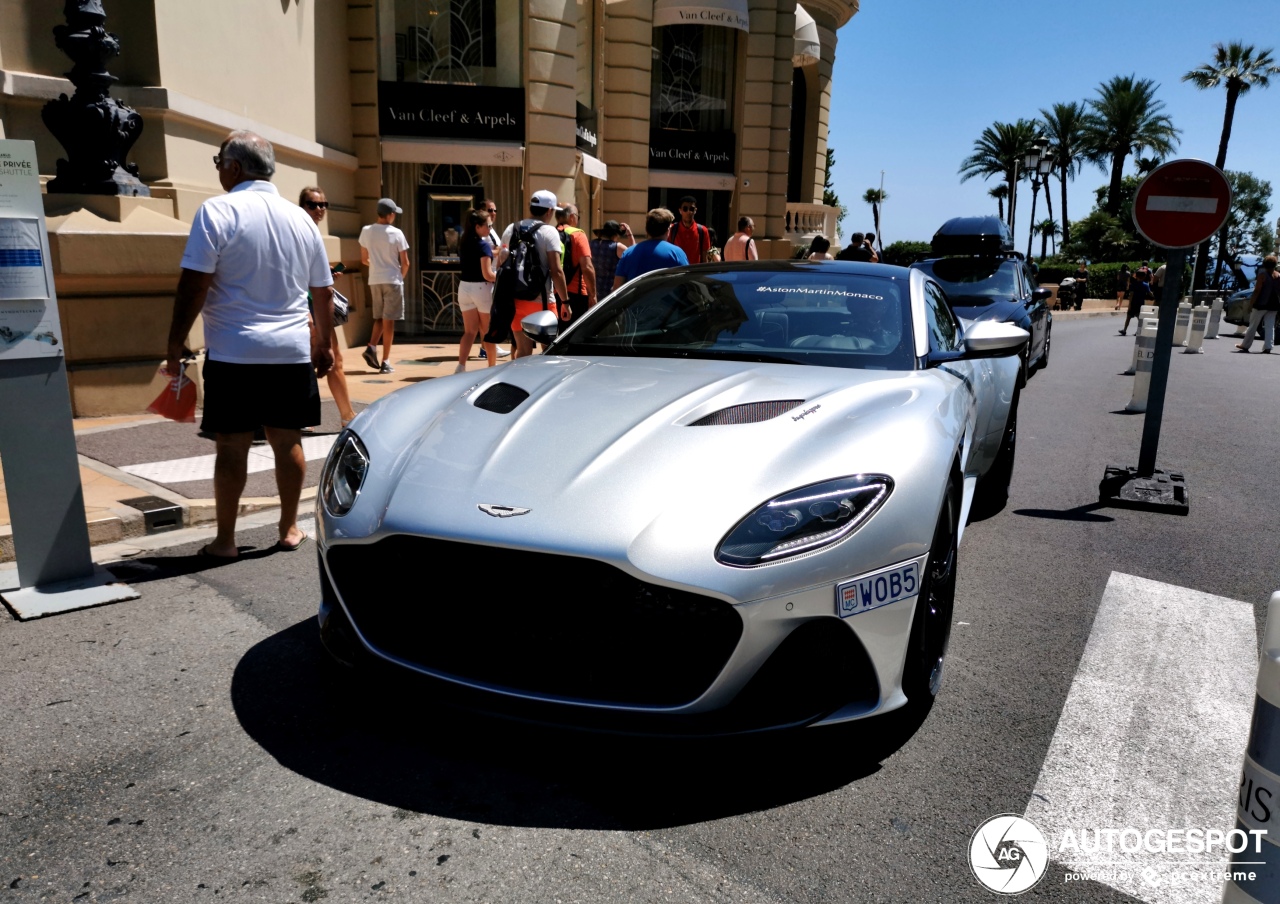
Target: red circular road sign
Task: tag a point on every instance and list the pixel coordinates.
(1181, 203)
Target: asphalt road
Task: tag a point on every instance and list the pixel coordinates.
(195, 745)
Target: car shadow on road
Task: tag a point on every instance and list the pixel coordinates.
(145, 569)
(385, 742)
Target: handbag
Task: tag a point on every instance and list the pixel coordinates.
(341, 308)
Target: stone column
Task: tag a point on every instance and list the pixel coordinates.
(551, 67)
(780, 122)
(766, 121)
(822, 94)
(628, 64)
(362, 62)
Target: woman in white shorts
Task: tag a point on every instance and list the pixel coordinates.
(475, 289)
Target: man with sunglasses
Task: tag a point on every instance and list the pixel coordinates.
(688, 234)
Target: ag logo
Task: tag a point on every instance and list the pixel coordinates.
(1008, 855)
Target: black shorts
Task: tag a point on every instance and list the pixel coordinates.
(239, 398)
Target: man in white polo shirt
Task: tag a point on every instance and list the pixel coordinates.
(249, 262)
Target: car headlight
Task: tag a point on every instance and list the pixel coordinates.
(804, 520)
(344, 474)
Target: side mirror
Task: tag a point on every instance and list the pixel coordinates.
(994, 340)
(541, 326)
(1041, 294)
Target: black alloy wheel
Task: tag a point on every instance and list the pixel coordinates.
(992, 491)
(931, 626)
(1048, 341)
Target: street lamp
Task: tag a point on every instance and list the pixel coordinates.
(1039, 164)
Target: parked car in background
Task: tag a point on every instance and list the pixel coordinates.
(987, 280)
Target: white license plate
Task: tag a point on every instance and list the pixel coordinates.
(879, 588)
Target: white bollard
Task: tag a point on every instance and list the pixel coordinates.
(1149, 310)
(1142, 377)
(1215, 319)
(1258, 801)
(1143, 324)
(1182, 325)
(1199, 323)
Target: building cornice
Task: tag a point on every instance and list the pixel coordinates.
(181, 107)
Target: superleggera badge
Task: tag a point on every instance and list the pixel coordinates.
(804, 414)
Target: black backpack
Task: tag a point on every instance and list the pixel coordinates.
(528, 274)
(522, 276)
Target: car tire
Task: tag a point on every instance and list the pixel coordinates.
(1044, 355)
(992, 492)
(935, 606)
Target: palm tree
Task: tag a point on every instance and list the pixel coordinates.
(1125, 118)
(1238, 67)
(999, 192)
(875, 197)
(1064, 125)
(999, 152)
(1048, 229)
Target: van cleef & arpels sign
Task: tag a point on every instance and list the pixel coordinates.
(418, 110)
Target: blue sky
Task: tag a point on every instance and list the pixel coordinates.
(916, 82)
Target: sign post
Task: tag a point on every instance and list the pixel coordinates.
(1178, 206)
(37, 444)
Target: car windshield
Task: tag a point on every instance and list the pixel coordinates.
(806, 314)
(974, 281)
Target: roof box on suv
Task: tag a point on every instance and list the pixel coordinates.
(973, 235)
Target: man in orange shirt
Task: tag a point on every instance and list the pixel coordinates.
(688, 234)
(579, 269)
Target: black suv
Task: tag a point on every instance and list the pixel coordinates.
(985, 279)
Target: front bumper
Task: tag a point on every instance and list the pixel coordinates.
(570, 640)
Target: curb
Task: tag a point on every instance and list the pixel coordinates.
(125, 523)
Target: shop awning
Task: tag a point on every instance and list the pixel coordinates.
(808, 45)
(726, 13)
(594, 167)
(468, 153)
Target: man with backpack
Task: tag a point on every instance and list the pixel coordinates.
(530, 275)
(579, 269)
(688, 234)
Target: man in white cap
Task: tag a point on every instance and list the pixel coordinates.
(384, 251)
(542, 206)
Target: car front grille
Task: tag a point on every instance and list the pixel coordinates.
(558, 627)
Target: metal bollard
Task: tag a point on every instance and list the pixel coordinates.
(1258, 802)
(1199, 323)
(1182, 325)
(1143, 323)
(1215, 319)
(1146, 352)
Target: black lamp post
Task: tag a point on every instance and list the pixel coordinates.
(1039, 164)
(96, 129)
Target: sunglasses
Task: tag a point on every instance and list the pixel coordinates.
(688, 210)
(217, 160)
(491, 210)
(316, 205)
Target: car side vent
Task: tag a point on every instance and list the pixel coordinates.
(501, 398)
(751, 413)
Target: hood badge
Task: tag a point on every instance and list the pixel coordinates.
(502, 511)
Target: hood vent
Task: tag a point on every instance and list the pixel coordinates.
(501, 398)
(751, 413)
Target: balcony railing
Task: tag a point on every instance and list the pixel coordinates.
(804, 221)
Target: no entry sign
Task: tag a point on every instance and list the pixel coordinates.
(1181, 203)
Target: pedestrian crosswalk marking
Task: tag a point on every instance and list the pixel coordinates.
(1152, 735)
(200, 467)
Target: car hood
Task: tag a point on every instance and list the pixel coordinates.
(604, 455)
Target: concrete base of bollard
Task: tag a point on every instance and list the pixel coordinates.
(1163, 491)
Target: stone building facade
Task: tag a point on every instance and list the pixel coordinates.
(616, 105)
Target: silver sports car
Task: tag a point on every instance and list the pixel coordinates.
(727, 499)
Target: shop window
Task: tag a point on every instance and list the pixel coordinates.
(693, 77)
(456, 42)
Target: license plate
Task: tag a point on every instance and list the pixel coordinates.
(879, 588)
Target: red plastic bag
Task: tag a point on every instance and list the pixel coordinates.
(177, 401)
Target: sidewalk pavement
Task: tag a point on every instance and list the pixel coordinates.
(131, 442)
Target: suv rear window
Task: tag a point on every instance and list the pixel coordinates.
(974, 281)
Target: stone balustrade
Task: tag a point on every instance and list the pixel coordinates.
(804, 221)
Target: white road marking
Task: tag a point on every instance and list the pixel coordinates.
(1152, 735)
(1182, 205)
(200, 467)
